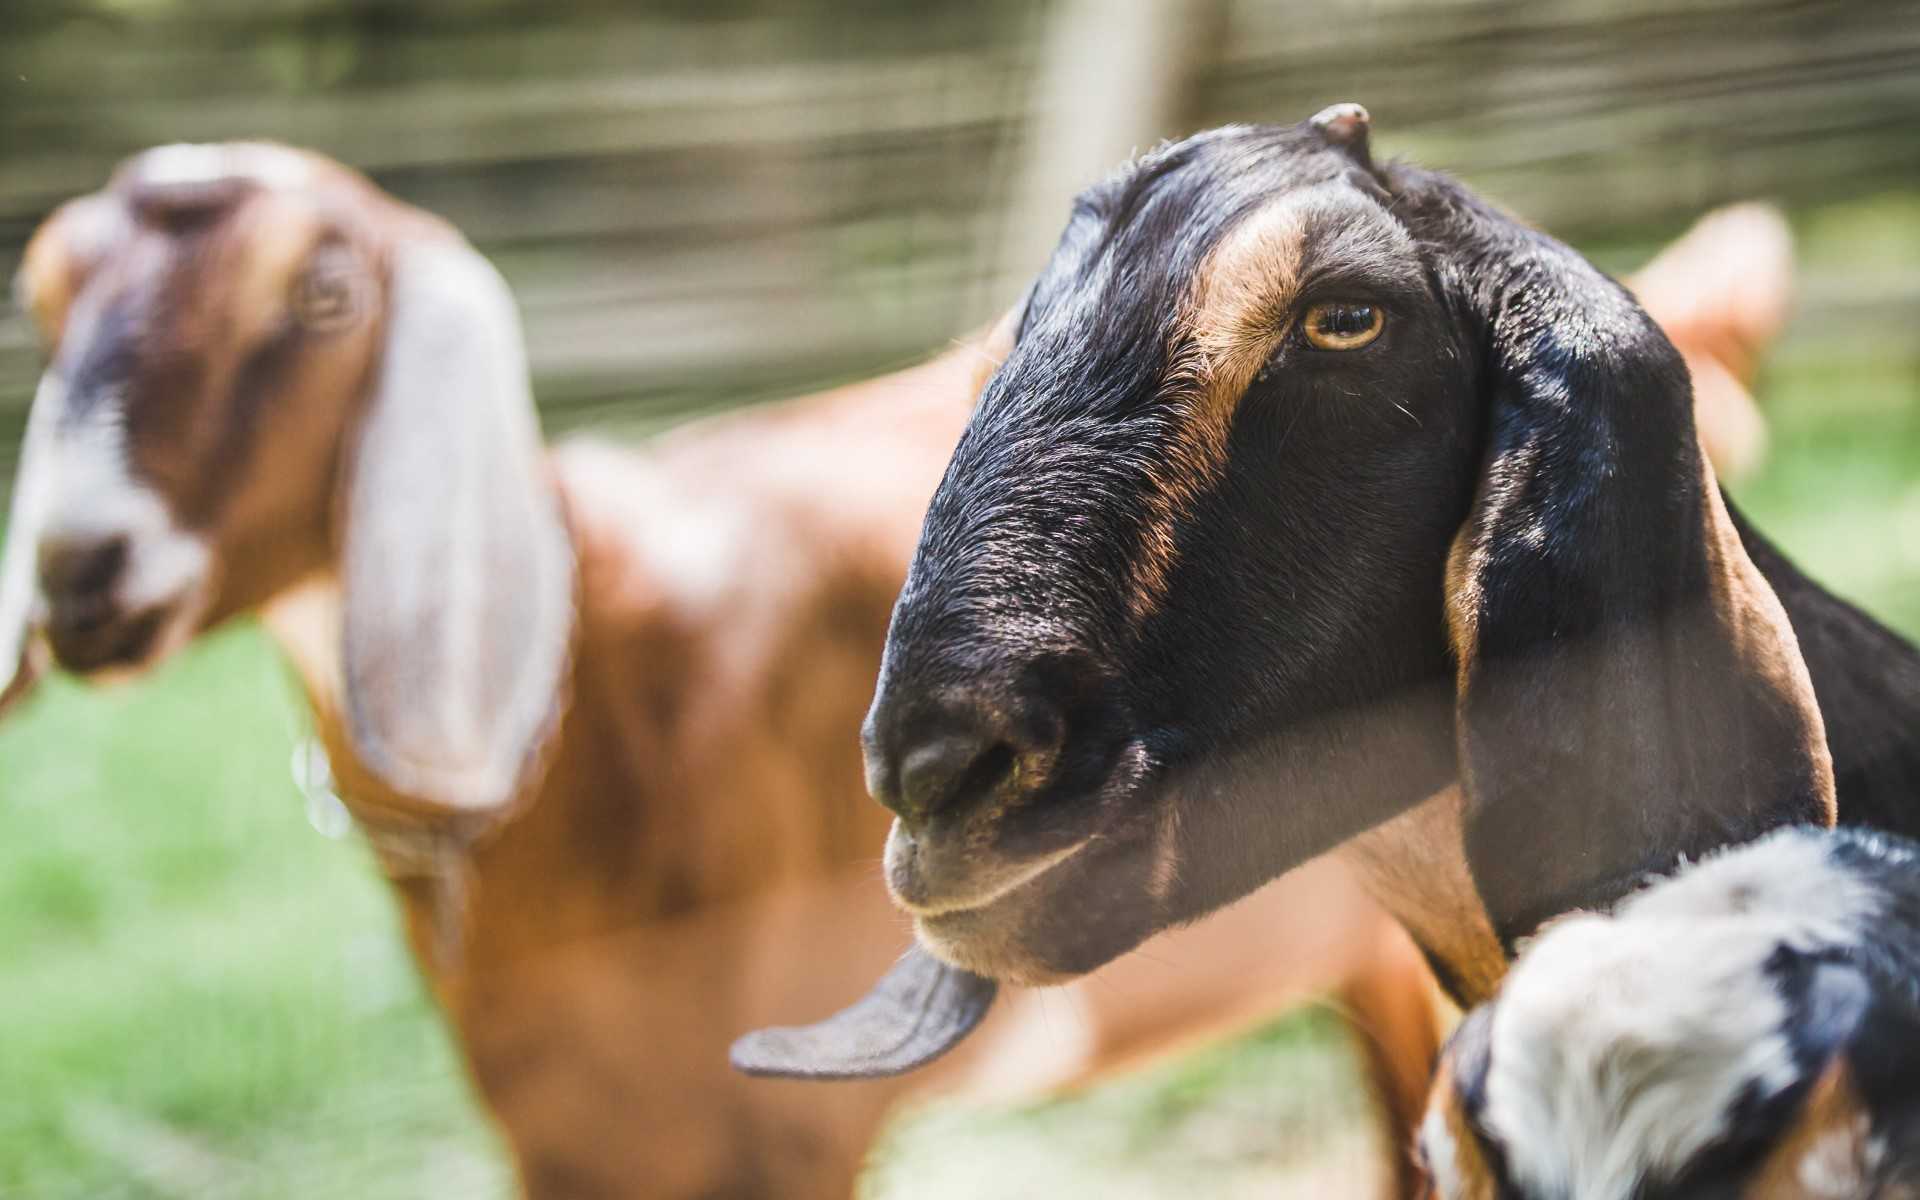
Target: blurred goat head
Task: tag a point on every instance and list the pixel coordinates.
(260, 369)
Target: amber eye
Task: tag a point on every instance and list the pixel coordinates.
(1341, 325)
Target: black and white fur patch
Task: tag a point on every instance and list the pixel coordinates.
(1669, 1050)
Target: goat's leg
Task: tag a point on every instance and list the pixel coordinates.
(1394, 1012)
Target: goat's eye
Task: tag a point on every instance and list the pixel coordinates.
(1342, 325)
(332, 293)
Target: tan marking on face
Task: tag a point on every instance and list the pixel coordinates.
(1234, 314)
(1753, 618)
(1467, 557)
(225, 297)
(1415, 866)
(1240, 304)
(1165, 874)
(1824, 1154)
(279, 517)
(1462, 604)
(266, 246)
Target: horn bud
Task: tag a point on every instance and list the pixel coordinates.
(1345, 127)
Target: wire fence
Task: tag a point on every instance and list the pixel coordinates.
(702, 204)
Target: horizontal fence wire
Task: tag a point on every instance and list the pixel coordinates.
(707, 204)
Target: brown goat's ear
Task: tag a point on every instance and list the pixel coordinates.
(1629, 689)
(68, 245)
(456, 566)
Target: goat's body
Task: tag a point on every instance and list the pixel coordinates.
(699, 856)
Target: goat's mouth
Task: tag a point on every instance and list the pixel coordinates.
(1049, 915)
(1072, 917)
(925, 880)
(1039, 916)
(105, 642)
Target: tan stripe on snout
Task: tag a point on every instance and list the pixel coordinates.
(1235, 312)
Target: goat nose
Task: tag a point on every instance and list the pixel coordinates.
(957, 756)
(938, 773)
(82, 566)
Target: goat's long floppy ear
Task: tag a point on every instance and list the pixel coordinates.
(456, 566)
(1629, 687)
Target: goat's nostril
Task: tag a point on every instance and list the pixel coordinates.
(927, 757)
(935, 775)
(80, 568)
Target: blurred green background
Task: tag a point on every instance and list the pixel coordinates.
(704, 204)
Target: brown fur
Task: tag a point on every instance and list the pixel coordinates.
(1722, 292)
(1472, 1173)
(1229, 321)
(1828, 1141)
(1416, 867)
(1751, 613)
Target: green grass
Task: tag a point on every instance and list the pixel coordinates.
(202, 997)
(1842, 492)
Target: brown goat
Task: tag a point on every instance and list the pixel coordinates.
(595, 711)
(1722, 292)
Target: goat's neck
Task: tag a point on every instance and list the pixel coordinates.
(1415, 867)
(306, 622)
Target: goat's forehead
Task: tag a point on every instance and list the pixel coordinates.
(224, 188)
(205, 164)
(1197, 285)
(1260, 263)
(1214, 244)
(239, 262)
(160, 215)
(159, 295)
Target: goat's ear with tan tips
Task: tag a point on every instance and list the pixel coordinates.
(1629, 687)
(456, 566)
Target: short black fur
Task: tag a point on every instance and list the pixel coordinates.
(1287, 680)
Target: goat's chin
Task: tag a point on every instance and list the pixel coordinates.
(1080, 914)
(974, 941)
(127, 645)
